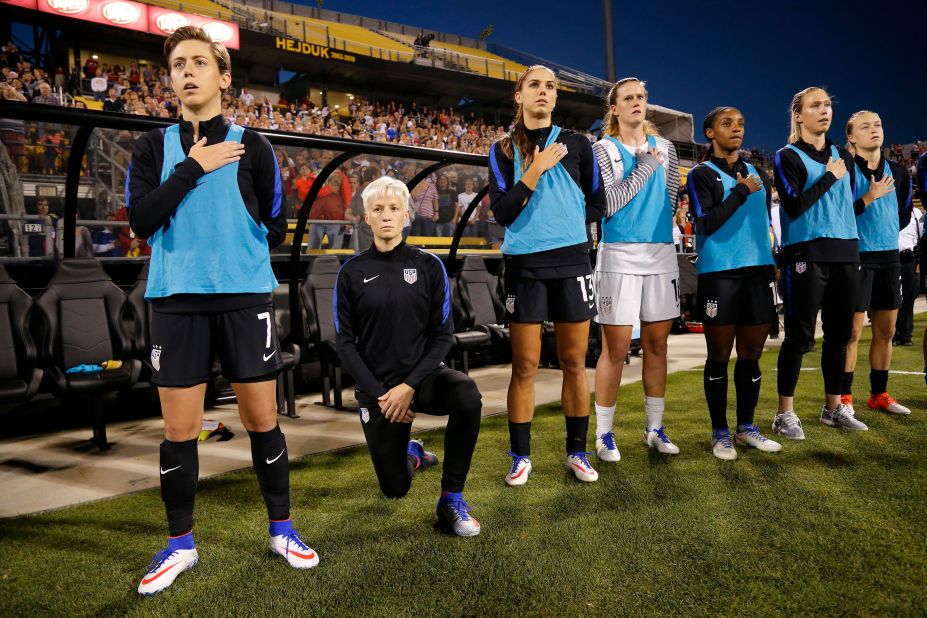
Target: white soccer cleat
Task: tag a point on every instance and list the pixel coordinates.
(605, 448)
(294, 551)
(657, 438)
(721, 446)
(750, 435)
(164, 569)
(521, 469)
(580, 467)
(887, 403)
(454, 516)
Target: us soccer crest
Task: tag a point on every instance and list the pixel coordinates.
(410, 275)
(156, 358)
(800, 267)
(711, 308)
(606, 304)
(510, 303)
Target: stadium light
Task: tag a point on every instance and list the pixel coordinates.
(610, 72)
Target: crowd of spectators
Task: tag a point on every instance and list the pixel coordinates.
(907, 155)
(146, 90)
(438, 202)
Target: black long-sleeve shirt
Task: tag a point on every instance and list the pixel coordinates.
(902, 195)
(152, 204)
(790, 178)
(393, 318)
(509, 198)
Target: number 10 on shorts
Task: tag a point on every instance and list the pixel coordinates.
(585, 286)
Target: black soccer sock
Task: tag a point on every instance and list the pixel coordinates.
(747, 379)
(272, 466)
(789, 367)
(847, 385)
(878, 380)
(577, 427)
(715, 380)
(180, 469)
(833, 362)
(520, 438)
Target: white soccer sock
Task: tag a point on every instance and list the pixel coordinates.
(653, 407)
(604, 419)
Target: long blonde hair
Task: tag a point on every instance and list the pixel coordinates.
(519, 133)
(849, 128)
(795, 108)
(610, 121)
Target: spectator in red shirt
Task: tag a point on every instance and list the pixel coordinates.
(302, 185)
(132, 245)
(329, 207)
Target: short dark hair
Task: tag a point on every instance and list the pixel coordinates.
(195, 33)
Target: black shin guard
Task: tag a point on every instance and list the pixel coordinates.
(847, 386)
(577, 428)
(715, 381)
(878, 381)
(789, 367)
(747, 378)
(272, 466)
(520, 438)
(180, 469)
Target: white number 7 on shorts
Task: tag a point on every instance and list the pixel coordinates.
(266, 316)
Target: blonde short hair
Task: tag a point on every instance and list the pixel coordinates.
(383, 187)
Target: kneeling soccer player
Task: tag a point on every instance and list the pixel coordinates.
(393, 318)
(206, 195)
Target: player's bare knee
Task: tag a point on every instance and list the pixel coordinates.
(524, 370)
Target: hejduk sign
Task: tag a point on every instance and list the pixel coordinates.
(134, 16)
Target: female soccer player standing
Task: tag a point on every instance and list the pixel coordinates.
(544, 189)
(735, 271)
(819, 259)
(207, 194)
(882, 209)
(636, 276)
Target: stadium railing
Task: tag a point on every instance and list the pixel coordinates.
(83, 123)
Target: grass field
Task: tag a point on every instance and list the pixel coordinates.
(836, 525)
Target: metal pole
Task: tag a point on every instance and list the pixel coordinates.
(610, 74)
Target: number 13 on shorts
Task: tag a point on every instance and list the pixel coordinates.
(585, 286)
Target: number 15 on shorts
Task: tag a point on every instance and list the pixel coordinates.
(585, 286)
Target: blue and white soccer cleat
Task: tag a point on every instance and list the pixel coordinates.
(605, 447)
(581, 468)
(454, 516)
(285, 541)
(751, 436)
(179, 556)
(425, 459)
(657, 438)
(721, 446)
(521, 469)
